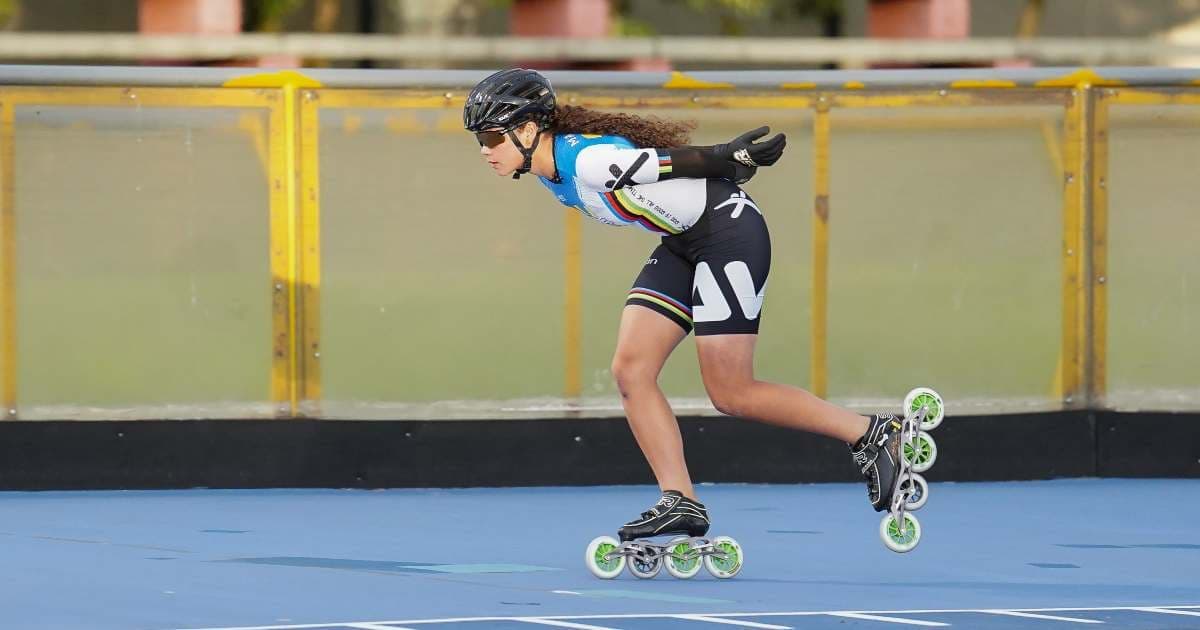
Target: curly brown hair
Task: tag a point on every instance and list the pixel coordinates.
(643, 132)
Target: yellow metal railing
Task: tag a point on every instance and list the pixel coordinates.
(820, 292)
(8, 266)
(291, 151)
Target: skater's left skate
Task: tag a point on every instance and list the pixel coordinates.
(891, 455)
(683, 519)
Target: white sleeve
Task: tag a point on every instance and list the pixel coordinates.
(607, 167)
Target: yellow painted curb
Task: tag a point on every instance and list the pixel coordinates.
(273, 79)
(1083, 76)
(986, 83)
(681, 81)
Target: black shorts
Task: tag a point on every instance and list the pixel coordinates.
(714, 274)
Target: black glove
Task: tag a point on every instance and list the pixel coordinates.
(737, 161)
(746, 152)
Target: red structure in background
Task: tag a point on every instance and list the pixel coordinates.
(896, 19)
(201, 17)
(919, 19)
(571, 18)
(924, 19)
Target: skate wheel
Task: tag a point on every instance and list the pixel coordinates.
(683, 561)
(645, 562)
(919, 494)
(900, 540)
(925, 397)
(727, 558)
(921, 453)
(602, 558)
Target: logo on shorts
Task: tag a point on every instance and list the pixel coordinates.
(738, 200)
(652, 261)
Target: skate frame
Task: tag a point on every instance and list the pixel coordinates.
(908, 436)
(653, 552)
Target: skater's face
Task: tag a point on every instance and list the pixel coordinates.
(498, 150)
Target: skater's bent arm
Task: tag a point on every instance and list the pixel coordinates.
(608, 167)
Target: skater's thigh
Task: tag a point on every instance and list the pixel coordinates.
(726, 361)
(644, 341)
(657, 314)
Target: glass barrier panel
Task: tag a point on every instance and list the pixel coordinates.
(945, 266)
(1153, 264)
(142, 262)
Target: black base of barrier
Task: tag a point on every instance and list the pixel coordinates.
(46, 455)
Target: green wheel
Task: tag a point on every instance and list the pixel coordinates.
(602, 559)
(925, 397)
(900, 539)
(727, 560)
(683, 561)
(921, 453)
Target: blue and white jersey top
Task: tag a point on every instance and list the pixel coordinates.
(613, 182)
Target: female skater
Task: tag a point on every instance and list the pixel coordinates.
(708, 274)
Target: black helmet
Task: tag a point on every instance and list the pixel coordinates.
(508, 98)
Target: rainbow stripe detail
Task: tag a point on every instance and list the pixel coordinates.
(631, 212)
(663, 300)
(664, 163)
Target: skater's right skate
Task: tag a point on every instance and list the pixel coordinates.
(684, 554)
(673, 514)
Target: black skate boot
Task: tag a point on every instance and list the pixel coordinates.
(877, 455)
(673, 514)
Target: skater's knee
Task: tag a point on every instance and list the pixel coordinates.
(730, 400)
(632, 374)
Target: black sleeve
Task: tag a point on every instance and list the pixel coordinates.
(697, 163)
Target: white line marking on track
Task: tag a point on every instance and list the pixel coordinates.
(1164, 608)
(561, 624)
(396, 625)
(733, 622)
(914, 622)
(373, 626)
(1016, 613)
(566, 592)
(917, 611)
(1167, 611)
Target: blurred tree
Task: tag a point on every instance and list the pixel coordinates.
(10, 14)
(829, 12)
(325, 15)
(1031, 18)
(267, 15)
(325, 19)
(734, 15)
(459, 17)
(419, 17)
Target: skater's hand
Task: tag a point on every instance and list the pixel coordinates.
(748, 155)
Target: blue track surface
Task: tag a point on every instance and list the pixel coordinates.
(393, 559)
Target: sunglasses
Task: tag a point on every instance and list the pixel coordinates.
(491, 139)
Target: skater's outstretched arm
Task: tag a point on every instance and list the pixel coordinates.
(609, 167)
